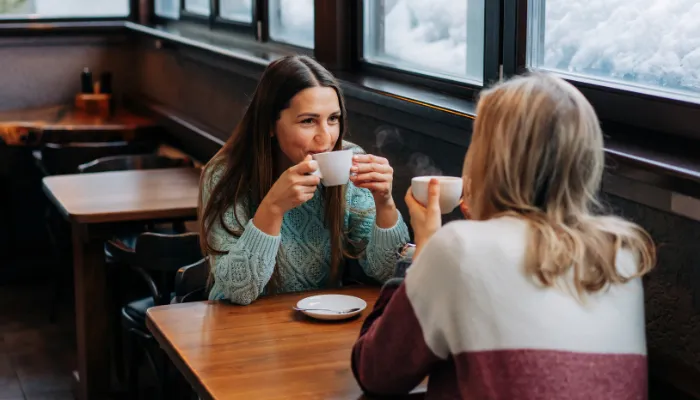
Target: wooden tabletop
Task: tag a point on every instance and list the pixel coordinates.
(261, 351)
(68, 117)
(125, 195)
(23, 127)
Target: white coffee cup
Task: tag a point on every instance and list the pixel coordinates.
(450, 191)
(334, 167)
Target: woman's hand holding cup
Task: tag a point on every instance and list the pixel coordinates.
(425, 220)
(294, 187)
(375, 174)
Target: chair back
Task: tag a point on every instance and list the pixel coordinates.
(161, 255)
(191, 282)
(64, 158)
(133, 162)
(62, 136)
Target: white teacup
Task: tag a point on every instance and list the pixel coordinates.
(450, 191)
(334, 167)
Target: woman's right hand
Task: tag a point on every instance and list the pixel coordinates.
(425, 220)
(294, 187)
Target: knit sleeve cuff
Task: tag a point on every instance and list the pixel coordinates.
(391, 238)
(258, 242)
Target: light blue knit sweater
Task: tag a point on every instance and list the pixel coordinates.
(304, 262)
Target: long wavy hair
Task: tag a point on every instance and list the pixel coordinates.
(537, 154)
(248, 162)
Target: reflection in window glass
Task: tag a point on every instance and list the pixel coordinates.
(654, 44)
(168, 8)
(292, 21)
(436, 37)
(237, 10)
(200, 7)
(63, 8)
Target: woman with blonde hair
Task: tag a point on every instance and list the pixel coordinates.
(539, 295)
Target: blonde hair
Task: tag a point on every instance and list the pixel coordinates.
(537, 154)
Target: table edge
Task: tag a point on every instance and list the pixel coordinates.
(188, 213)
(182, 366)
(53, 200)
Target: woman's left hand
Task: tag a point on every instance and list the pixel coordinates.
(375, 174)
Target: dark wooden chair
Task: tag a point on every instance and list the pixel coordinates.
(133, 162)
(156, 260)
(191, 282)
(64, 158)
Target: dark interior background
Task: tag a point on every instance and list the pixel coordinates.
(43, 71)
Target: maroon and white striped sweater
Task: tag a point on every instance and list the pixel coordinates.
(468, 317)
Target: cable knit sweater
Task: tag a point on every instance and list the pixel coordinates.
(304, 262)
(469, 317)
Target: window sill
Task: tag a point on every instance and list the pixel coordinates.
(655, 159)
(55, 27)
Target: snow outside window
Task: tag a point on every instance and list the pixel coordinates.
(237, 10)
(644, 45)
(292, 22)
(443, 38)
(63, 8)
(168, 8)
(200, 7)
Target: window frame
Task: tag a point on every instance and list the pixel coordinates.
(461, 89)
(644, 111)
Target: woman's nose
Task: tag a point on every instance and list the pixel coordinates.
(323, 135)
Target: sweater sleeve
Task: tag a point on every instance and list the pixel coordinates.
(381, 245)
(391, 357)
(240, 275)
(401, 343)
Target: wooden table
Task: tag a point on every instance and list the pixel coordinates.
(95, 205)
(59, 123)
(261, 351)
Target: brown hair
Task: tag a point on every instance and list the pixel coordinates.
(537, 153)
(248, 163)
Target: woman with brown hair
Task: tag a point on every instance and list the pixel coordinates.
(266, 223)
(538, 295)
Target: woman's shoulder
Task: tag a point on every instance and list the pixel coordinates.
(469, 239)
(488, 230)
(212, 172)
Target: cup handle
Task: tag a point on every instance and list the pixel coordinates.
(317, 173)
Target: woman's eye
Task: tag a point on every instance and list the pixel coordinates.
(307, 121)
(334, 118)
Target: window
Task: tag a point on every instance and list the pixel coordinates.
(236, 10)
(168, 8)
(442, 38)
(642, 44)
(199, 7)
(292, 21)
(63, 8)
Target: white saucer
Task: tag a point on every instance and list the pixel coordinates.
(332, 302)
